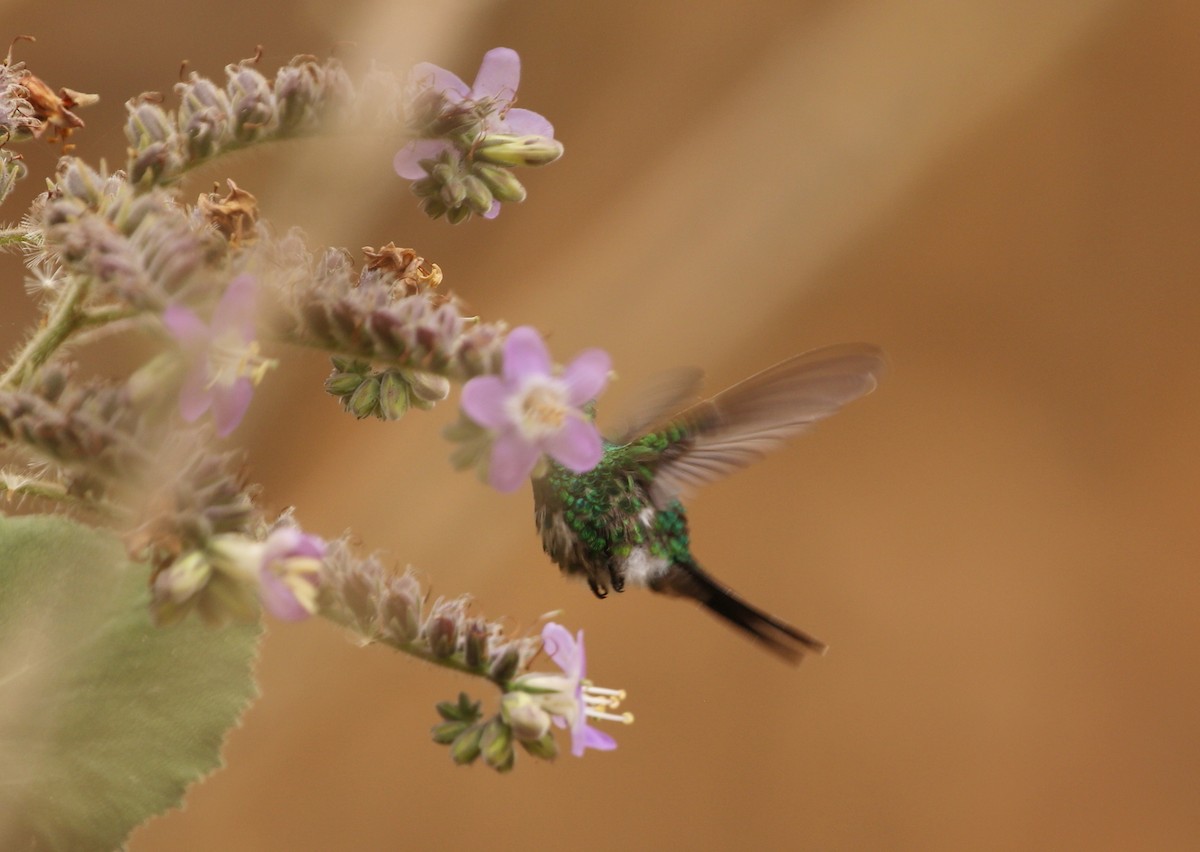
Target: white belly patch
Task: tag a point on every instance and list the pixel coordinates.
(642, 568)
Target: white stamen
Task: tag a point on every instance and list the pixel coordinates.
(623, 718)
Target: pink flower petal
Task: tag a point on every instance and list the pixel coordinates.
(229, 403)
(493, 211)
(512, 461)
(184, 325)
(559, 645)
(236, 308)
(526, 122)
(426, 75)
(483, 399)
(498, 76)
(278, 599)
(284, 542)
(587, 375)
(194, 394)
(586, 737)
(407, 161)
(576, 446)
(525, 354)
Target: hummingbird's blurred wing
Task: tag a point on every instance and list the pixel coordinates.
(743, 423)
(659, 398)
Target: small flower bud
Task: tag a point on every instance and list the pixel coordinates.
(502, 183)
(544, 748)
(78, 180)
(433, 208)
(203, 114)
(504, 150)
(359, 589)
(343, 384)
(393, 396)
(477, 643)
(455, 215)
(453, 192)
(504, 665)
(443, 635)
(365, 400)
(251, 102)
(426, 388)
(298, 91)
(477, 195)
(466, 746)
(497, 745)
(401, 609)
(524, 716)
(448, 732)
(425, 187)
(462, 710)
(183, 579)
(147, 123)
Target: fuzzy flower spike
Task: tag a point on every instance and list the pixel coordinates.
(533, 412)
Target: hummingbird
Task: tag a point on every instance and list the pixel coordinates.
(624, 524)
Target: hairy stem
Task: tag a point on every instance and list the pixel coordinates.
(64, 319)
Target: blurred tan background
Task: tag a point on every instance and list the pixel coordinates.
(1000, 545)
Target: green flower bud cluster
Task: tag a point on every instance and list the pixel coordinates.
(386, 394)
(470, 736)
(458, 187)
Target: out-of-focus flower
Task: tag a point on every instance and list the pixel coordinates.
(224, 363)
(289, 573)
(532, 411)
(284, 572)
(568, 698)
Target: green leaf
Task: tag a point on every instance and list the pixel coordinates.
(104, 718)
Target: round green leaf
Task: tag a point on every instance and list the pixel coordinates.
(104, 718)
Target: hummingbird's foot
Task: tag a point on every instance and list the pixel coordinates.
(618, 579)
(597, 590)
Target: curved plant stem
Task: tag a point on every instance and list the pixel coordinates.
(64, 319)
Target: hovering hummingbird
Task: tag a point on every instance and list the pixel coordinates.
(623, 523)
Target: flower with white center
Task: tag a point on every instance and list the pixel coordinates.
(486, 107)
(568, 698)
(532, 411)
(284, 571)
(224, 363)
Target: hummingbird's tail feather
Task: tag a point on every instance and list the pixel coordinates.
(776, 636)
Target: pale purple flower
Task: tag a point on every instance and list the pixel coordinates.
(289, 573)
(285, 569)
(490, 99)
(224, 364)
(224, 577)
(532, 411)
(569, 699)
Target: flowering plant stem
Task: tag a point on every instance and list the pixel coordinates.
(63, 320)
(58, 493)
(415, 648)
